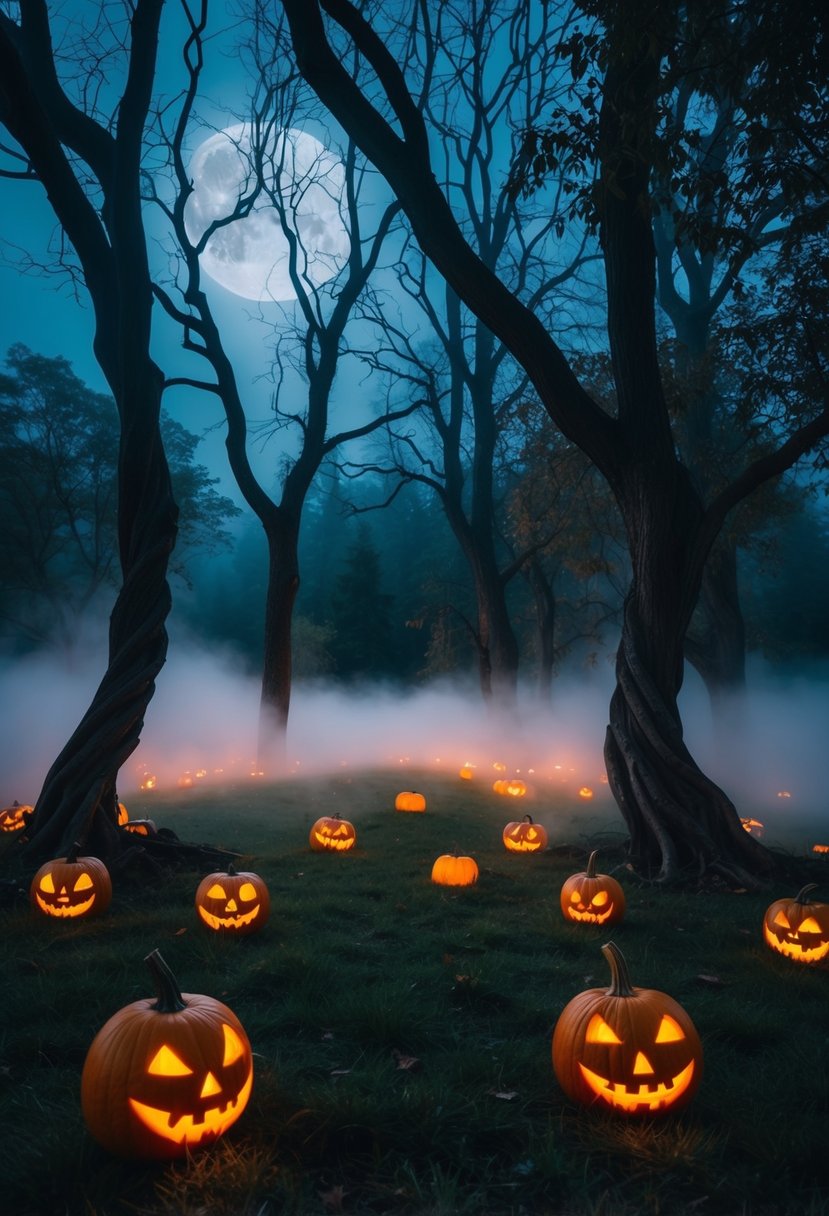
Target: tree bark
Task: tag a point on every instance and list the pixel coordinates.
(277, 666)
(715, 644)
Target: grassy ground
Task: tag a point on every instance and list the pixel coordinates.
(402, 1031)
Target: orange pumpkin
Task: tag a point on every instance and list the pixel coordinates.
(71, 886)
(15, 818)
(798, 928)
(467, 772)
(332, 834)
(409, 800)
(524, 837)
(634, 1051)
(123, 815)
(140, 827)
(591, 898)
(452, 871)
(233, 903)
(168, 1075)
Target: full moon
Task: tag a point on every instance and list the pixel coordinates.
(250, 255)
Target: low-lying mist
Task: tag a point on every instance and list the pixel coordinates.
(201, 728)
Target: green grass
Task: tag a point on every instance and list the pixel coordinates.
(365, 964)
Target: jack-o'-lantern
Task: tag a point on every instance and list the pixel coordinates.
(452, 871)
(524, 837)
(467, 772)
(409, 800)
(233, 903)
(499, 786)
(15, 818)
(634, 1051)
(591, 898)
(71, 886)
(798, 928)
(820, 848)
(140, 827)
(585, 792)
(515, 788)
(168, 1075)
(332, 834)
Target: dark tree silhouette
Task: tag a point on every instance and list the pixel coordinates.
(679, 821)
(89, 165)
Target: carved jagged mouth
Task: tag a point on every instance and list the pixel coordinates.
(803, 954)
(64, 909)
(592, 918)
(192, 1129)
(650, 1097)
(229, 922)
(524, 846)
(328, 842)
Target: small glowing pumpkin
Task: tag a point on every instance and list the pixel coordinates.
(515, 788)
(798, 928)
(15, 818)
(591, 898)
(140, 827)
(634, 1051)
(71, 886)
(409, 800)
(452, 871)
(467, 772)
(168, 1075)
(524, 836)
(233, 903)
(820, 848)
(332, 834)
(499, 786)
(585, 792)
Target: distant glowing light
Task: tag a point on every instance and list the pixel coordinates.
(783, 794)
(585, 792)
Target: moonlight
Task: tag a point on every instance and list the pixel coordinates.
(250, 256)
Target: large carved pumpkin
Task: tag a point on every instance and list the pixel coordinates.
(167, 1075)
(634, 1051)
(233, 903)
(71, 886)
(591, 898)
(409, 800)
(524, 837)
(333, 834)
(798, 928)
(452, 871)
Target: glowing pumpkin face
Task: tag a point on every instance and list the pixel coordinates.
(524, 837)
(70, 887)
(140, 827)
(15, 818)
(797, 928)
(452, 871)
(467, 772)
(233, 903)
(332, 834)
(591, 898)
(634, 1051)
(166, 1076)
(409, 800)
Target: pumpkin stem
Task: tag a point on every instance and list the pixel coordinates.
(802, 897)
(528, 819)
(620, 984)
(231, 871)
(166, 986)
(590, 872)
(72, 855)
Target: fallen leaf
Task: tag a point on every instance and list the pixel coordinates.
(180, 931)
(404, 1062)
(506, 1095)
(340, 1072)
(713, 981)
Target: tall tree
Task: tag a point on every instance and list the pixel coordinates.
(678, 819)
(89, 163)
(318, 337)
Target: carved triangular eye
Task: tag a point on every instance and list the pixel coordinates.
(84, 883)
(669, 1031)
(575, 898)
(47, 884)
(165, 1063)
(247, 892)
(217, 891)
(782, 920)
(598, 1031)
(600, 899)
(809, 925)
(234, 1047)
